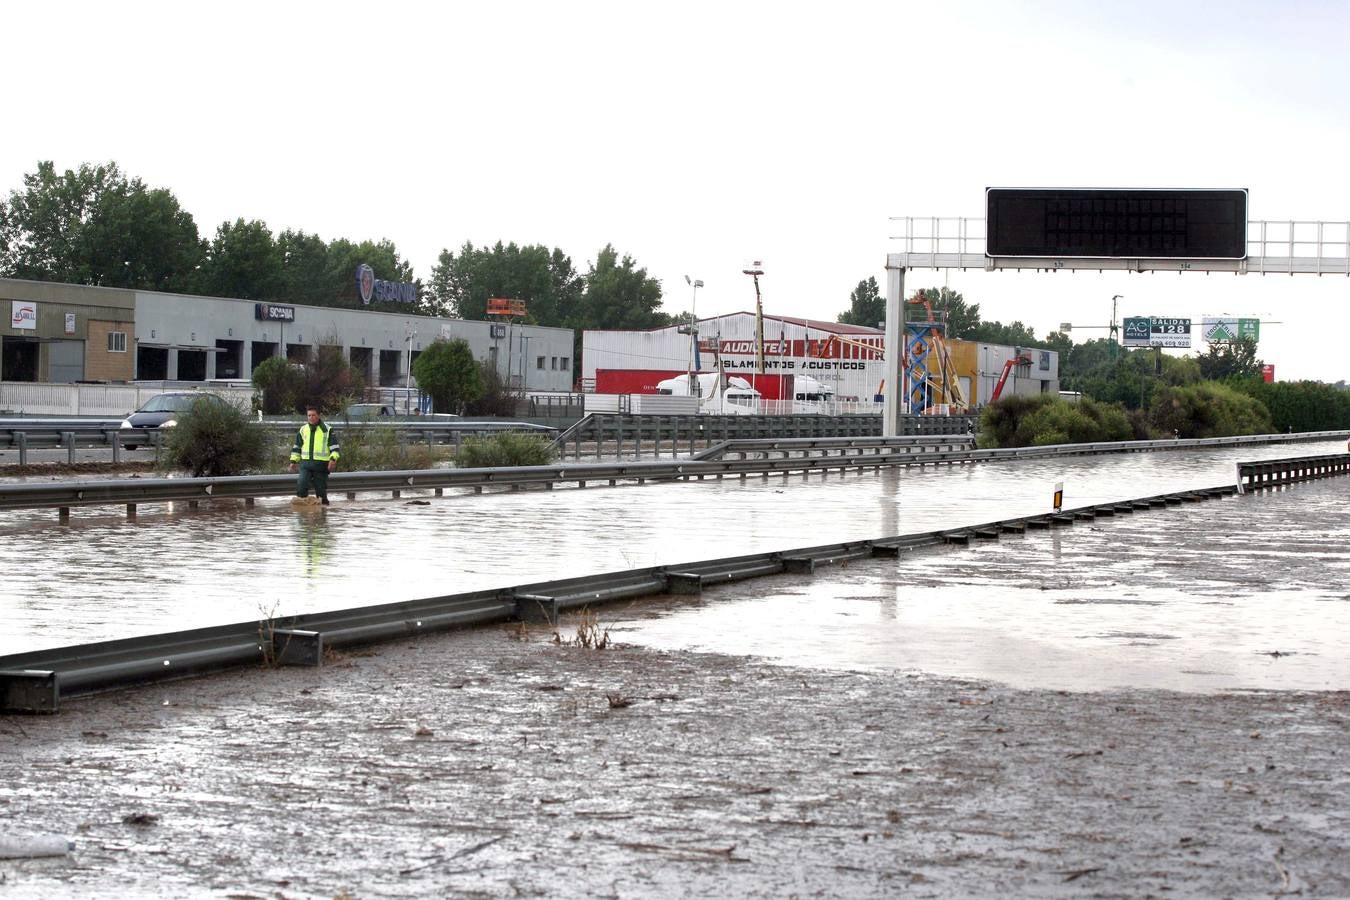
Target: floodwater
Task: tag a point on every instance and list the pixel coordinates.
(1247, 592)
(104, 577)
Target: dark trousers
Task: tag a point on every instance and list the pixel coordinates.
(315, 472)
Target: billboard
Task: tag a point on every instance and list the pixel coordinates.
(1224, 330)
(1137, 331)
(1156, 331)
(23, 314)
(1116, 223)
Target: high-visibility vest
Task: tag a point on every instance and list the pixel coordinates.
(318, 443)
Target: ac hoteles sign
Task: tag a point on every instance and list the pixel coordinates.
(368, 288)
(1156, 331)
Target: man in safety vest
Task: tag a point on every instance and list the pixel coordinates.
(315, 454)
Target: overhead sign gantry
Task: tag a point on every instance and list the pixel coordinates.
(1104, 229)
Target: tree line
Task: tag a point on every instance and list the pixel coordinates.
(95, 225)
(1128, 393)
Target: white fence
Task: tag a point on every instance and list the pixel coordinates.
(662, 404)
(23, 398)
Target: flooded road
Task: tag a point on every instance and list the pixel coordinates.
(1247, 592)
(104, 577)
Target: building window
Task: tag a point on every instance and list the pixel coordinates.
(539, 362)
(117, 342)
(562, 363)
(553, 363)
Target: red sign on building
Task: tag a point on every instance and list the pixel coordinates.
(1268, 373)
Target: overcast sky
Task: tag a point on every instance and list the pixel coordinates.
(699, 136)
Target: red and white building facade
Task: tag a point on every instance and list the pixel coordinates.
(846, 359)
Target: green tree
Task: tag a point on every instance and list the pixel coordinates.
(1207, 409)
(619, 295)
(243, 261)
(866, 305)
(345, 256)
(497, 398)
(281, 385)
(305, 278)
(962, 319)
(1300, 405)
(331, 382)
(1014, 335)
(546, 280)
(448, 372)
(1235, 360)
(94, 226)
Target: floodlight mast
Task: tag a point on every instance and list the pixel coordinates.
(695, 389)
(757, 269)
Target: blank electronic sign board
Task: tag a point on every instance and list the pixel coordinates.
(1116, 223)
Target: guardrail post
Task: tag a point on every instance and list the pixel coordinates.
(115, 438)
(29, 691)
(21, 438)
(684, 583)
(293, 647)
(68, 441)
(537, 608)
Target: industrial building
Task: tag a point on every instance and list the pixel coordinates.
(849, 360)
(76, 333)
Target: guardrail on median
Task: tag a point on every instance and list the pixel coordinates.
(816, 455)
(70, 435)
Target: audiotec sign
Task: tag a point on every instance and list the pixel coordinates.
(23, 315)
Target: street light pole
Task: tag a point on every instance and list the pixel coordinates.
(694, 389)
(1115, 331)
(407, 382)
(757, 269)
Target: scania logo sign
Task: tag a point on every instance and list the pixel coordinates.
(365, 283)
(368, 287)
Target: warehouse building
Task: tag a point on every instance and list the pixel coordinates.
(849, 360)
(76, 333)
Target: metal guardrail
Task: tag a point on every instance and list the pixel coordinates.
(834, 446)
(132, 492)
(1277, 472)
(614, 433)
(35, 682)
(98, 434)
(815, 455)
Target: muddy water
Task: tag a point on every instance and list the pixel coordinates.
(1245, 593)
(103, 577)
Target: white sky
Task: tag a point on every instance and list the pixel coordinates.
(699, 136)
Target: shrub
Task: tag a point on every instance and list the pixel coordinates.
(378, 449)
(447, 371)
(497, 399)
(329, 380)
(1300, 405)
(505, 450)
(281, 384)
(1045, 419)
(214, 439)
(1207, 409)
